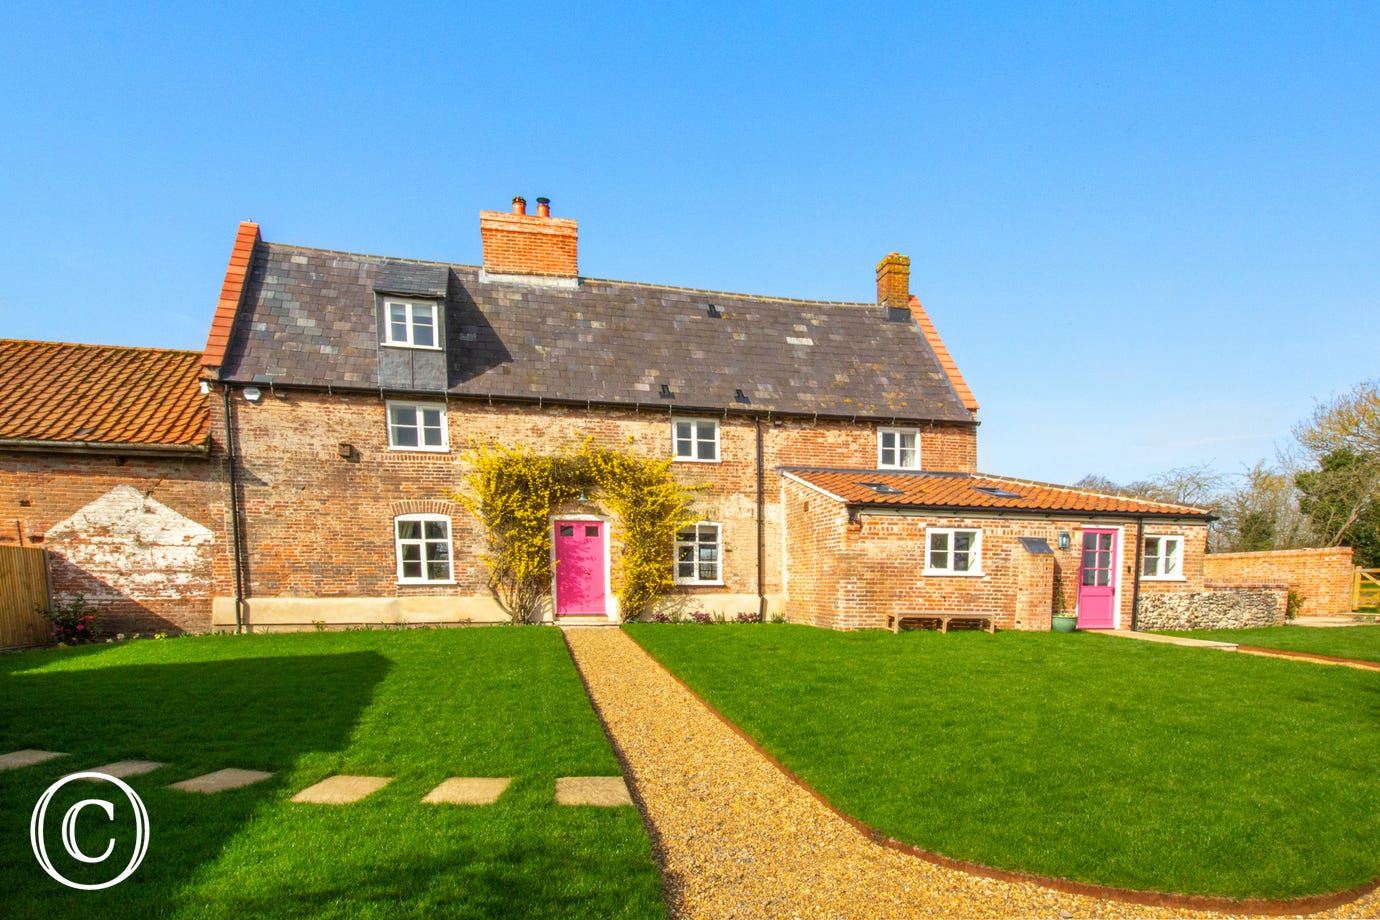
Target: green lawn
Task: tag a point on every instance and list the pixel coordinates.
(419, 706)
(1102, 760)
(1361, 642)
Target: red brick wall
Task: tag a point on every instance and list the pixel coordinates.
(1322, 576)
(319, 525)
(137, 536)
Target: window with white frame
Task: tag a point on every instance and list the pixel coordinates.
(416, 426)
(410, 323)
(696, 439)
(1162, 558)
(698, 551)
(898, 448)
(423, 548)
(953, 551)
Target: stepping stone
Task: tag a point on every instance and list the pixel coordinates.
(341, 790)
(592, 790)
(221, 780)
(459, 790)
(26, 758)
(122, 768)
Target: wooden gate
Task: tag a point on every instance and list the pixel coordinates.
(23, 590)
(1365, 589)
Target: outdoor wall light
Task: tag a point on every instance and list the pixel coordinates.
(345, 449)
(1064, 541)
(253, 394)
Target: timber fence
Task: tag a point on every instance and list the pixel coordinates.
(23, 592)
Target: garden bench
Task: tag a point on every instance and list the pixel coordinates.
(893, 620)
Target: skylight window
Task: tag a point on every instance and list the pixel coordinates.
(997, 493)
(881, 488)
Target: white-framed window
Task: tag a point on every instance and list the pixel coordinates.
(417, 426)
(1162, 558)
(898, 449)
(698, 555)
(411, 324)
(423, 549)
(953, 551)
(695, 439)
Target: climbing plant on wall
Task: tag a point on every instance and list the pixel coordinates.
(514, 492)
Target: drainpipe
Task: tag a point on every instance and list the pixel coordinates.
(234, 510)
(761, 531)
(1135, 575)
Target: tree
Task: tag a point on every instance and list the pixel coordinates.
(1263, 513)
(1341, 494)
(1342, 501)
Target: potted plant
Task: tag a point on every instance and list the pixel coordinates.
(1061, 620)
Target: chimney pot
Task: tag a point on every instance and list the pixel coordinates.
(543, 207)
(519, 205)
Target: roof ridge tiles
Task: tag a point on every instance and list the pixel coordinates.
(583, 278)
(1094, 492)
(135, 348)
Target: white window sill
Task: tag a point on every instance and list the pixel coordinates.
(693, 460)
(904, 469)
(419, 450)
(415, 582)
(699, 584)
(946, 573)
(413, 347)
(1163, 578)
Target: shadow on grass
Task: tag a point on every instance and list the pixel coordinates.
(254, 713)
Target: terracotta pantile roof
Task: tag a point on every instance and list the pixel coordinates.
(941, 351)
(101, 396)
(308, 317)
(976, 491)
(231, 291)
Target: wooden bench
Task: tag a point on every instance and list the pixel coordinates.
(893, 620)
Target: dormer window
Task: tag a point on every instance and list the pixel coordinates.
(411, 324)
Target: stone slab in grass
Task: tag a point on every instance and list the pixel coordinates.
(27, 758)
(467, 790)
(341, 790)
(221, 780)
(592, 790)
(123, 768)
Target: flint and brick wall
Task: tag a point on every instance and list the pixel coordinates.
(858, 573)
(1322, 577)
(1233, 605)
(136, 536)
(320, 526)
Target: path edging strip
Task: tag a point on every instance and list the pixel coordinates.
(1258, 906)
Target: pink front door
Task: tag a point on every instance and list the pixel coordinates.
(1097, 581)
(580, 568)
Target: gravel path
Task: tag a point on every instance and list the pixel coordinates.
(736, 838)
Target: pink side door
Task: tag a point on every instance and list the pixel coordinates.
(1097, 581)
(580, 568)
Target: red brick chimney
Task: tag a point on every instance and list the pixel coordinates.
(893, 281)
(532, 245)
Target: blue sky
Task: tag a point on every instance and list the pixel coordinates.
(1149, 234)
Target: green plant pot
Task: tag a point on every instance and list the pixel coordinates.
(1064, 624)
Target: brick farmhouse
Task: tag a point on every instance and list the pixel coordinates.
(300, 469)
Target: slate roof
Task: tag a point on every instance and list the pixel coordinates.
(101, 396)
(308, 318)
(962, 491)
